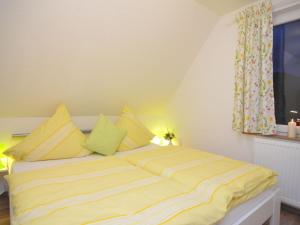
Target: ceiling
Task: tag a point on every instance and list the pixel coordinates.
(222, 7)
(96, 56)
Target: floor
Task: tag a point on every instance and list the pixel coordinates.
(289, 215)
(4, 209)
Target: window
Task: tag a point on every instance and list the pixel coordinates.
(286, 63)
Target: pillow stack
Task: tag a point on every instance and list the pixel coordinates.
(59, 138)
(128, 133)
(137, 134)
(56, 138)
(105, 137)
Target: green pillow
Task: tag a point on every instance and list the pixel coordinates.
(105, 138)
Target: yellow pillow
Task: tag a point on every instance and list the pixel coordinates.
(56, 138)
(137, 134)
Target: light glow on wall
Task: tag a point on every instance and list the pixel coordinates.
(5, 141)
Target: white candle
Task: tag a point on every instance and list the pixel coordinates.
(292, 129)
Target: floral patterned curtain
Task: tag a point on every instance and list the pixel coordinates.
(254, 96)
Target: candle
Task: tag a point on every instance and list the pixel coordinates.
(292, 129)
(298, 127)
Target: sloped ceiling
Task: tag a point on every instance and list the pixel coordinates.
(96, 55)
(224, 6)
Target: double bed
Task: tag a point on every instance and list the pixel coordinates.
(160, 182)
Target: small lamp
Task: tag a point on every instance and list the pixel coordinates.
(167, 139)
(159, 141)
(5, 138)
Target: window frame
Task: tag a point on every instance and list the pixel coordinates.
(284, 12)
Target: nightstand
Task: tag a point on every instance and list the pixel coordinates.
(3, 184)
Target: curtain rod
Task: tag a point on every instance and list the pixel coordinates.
(277, 8)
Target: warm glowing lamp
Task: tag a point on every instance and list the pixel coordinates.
(5, 138)
(167, 139)
(160, 141)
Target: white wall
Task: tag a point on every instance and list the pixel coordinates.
(203, 104)
(96, 55)
(204, 101)
(285, 11)
(223, 7)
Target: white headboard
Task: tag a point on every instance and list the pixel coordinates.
(19, 126)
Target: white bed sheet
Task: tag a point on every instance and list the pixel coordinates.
(233, 217)
(22, 166)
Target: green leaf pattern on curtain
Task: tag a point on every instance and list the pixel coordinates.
(254, 97)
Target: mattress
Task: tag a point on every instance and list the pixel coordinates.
(233, 216)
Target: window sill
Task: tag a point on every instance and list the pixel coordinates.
(281, 137)
(282, 134)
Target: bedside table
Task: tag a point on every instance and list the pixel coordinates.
(3, 184)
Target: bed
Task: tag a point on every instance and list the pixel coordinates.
(142, 163)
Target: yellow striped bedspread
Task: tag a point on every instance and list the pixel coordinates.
(224, 181)
(142, 188)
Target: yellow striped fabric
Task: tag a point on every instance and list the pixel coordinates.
(104, 188)
(190, 166)
(56, 138)
(169, 208)
(164, 185)
(137, 134)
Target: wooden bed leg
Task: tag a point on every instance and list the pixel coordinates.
(275, 219)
